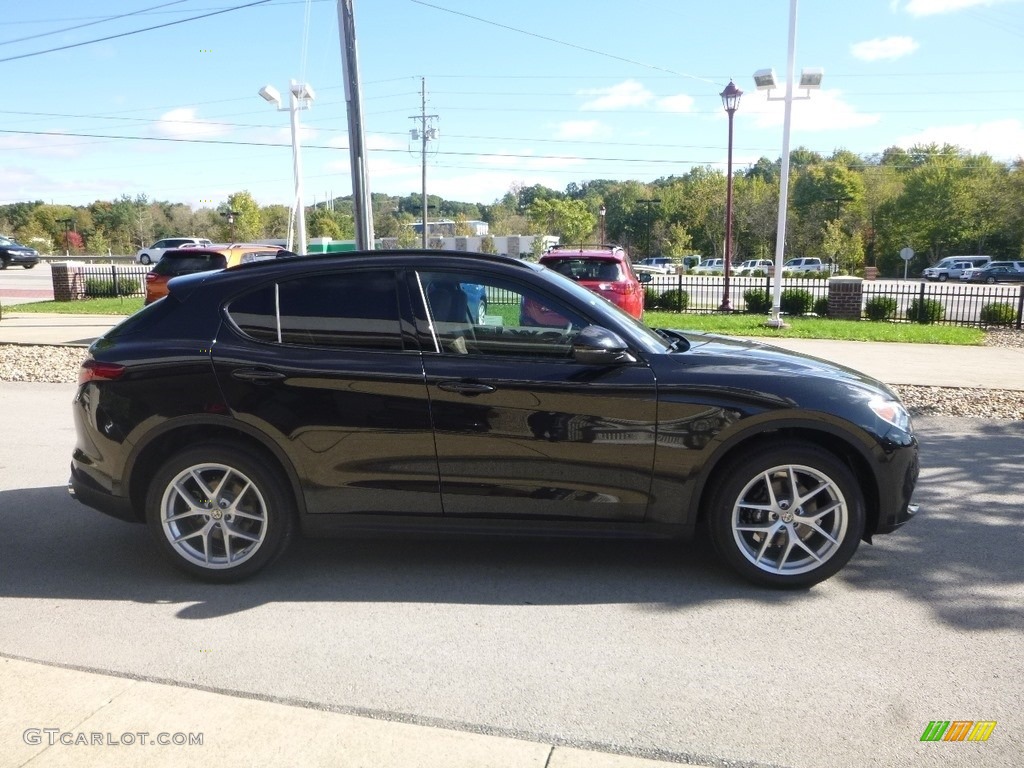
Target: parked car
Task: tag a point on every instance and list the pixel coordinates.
(709, 265)
(185, 261)
(967, 274)
(605, 270)
(805, 264)
(14, 254)
(658, 265)
(331, 394)
(997, 274)
(754, 265)
(953, 266)
(155, 252)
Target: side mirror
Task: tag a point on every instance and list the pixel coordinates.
(595, 345)
(645, 277)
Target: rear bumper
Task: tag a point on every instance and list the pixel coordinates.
(85, 490)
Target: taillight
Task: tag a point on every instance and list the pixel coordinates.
(94, 370)
(617, 287)
(150, 277)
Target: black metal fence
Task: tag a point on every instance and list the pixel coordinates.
(113, 280)
(949, 303)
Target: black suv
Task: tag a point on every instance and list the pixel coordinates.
(359, 391)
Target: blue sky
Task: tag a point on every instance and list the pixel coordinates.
(526, 93)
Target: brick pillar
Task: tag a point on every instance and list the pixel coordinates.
(68, 283)
(845, 297)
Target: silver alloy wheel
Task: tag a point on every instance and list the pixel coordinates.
(213, 516)
(790, 519)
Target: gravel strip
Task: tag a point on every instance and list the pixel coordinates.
(60, 365)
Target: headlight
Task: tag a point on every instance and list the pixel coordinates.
(891, 411)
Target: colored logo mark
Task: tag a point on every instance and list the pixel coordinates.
(958, 730)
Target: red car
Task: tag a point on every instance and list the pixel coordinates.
(605, 270)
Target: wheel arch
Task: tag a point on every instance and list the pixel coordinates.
(837, 442)
(179, 434)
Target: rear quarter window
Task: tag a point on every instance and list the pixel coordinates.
(174, 264)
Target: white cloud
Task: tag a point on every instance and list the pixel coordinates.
(678, 103)
(999, 138)
(884, 48)
(934, 7)
(183, 124)
(627, 94)
(824, 111)
(581, 129)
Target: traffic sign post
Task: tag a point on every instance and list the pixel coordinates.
(906, 254)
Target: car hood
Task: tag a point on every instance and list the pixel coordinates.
(764, 372)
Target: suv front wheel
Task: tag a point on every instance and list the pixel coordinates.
(219, 513)
(786, 516)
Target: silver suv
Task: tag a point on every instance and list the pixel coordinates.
(809, 264)
(155, 252)
(953, 266)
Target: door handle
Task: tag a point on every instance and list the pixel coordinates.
(257, 375)
(465, 387)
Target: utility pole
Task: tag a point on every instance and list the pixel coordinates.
(361, 201)
(424, 133)
(650, 201)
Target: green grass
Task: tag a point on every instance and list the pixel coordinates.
(816, 328)
(120, 306)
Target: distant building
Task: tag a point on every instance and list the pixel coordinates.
(446, 228)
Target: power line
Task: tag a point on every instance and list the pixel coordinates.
(133, 32)
(566, 44)
(89, 24)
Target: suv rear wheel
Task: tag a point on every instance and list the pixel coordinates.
(219, 513)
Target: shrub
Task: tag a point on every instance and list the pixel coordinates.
(880, 308)
(673, 300)
(104, 286)
(925, 312)
(998, 313)
(821, 307)
(758, 301)
(796, 301)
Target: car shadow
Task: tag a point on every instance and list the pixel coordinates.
(960, 557)
(53, 547)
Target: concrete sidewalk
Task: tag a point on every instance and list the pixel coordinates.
(937, 365)
(53, 717)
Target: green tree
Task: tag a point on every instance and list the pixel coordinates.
(275, 221)
(248, 219)
(571, 220)
(320, 223)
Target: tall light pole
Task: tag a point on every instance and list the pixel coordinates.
(601, 212)
(731, 102)
(300, 97)
(764, 79)
(650, 201)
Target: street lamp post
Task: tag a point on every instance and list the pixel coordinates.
(230, 216)
(731, 102)
(650, 201)
(301, 96)
(602, 212)
(764, 79)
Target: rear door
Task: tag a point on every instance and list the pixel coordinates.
(327, 365)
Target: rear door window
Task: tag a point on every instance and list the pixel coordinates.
(343, 310)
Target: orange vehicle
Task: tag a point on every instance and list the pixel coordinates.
(185, 261)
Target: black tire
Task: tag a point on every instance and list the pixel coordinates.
(28, 266)
(252, 504)
(3, 263)
(742, 512)
(990, 280)
(943, 278)
(144, 259)
(481, 312)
